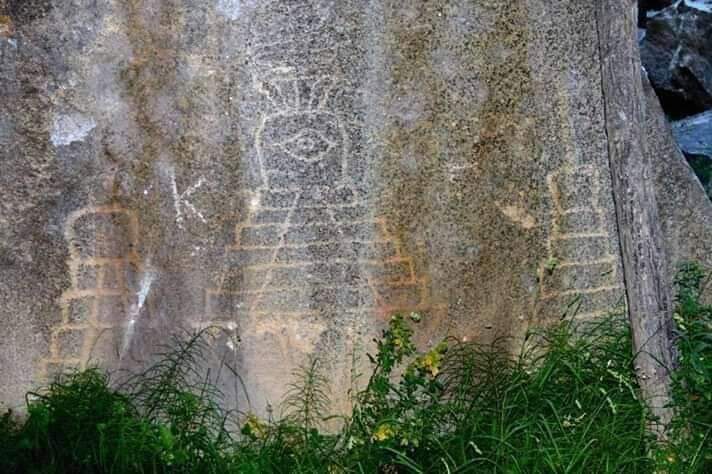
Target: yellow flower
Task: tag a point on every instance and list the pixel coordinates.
(255, 428)
(431, 360)
(383, 432)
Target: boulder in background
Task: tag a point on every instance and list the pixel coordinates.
(676, 51)
(694, 135)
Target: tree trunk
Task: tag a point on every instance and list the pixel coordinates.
(643, 255)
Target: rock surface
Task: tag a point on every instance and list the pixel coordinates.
(694, 135)
(684, 210)
(676, 51)
(290, 173)
(646, 7)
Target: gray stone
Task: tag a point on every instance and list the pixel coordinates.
(677, 54)
(290, 173)
(684, 210)
(648, 7)
(694, 134)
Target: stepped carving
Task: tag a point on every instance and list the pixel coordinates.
(582, 265)
(103, 262)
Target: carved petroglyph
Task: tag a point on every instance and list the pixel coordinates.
(181, 204)
(517, 214)
(103, 262)
(316, 257)
(303, 139)
(312, 269)
(310, 245)
(581, 261)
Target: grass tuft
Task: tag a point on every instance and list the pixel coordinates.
(568, 403)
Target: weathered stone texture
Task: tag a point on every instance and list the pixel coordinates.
(684, 209)
(694, 136)
(291, 172)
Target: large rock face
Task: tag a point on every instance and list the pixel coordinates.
(289, 173)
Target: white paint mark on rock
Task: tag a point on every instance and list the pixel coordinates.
(69, 128)
(144, 288)
(180, 200)
(230, 8)
(255, 203)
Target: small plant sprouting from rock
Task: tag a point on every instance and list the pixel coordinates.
(551, 264)
(307, 401)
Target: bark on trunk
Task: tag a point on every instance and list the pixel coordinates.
(644, 265)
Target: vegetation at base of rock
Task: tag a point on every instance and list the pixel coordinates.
(568, 403)
(692, 381)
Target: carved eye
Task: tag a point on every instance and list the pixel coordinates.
(307, 145)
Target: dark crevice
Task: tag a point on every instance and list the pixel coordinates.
(677, 107)
(26, 11)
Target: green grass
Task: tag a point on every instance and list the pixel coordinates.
(569, 403)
